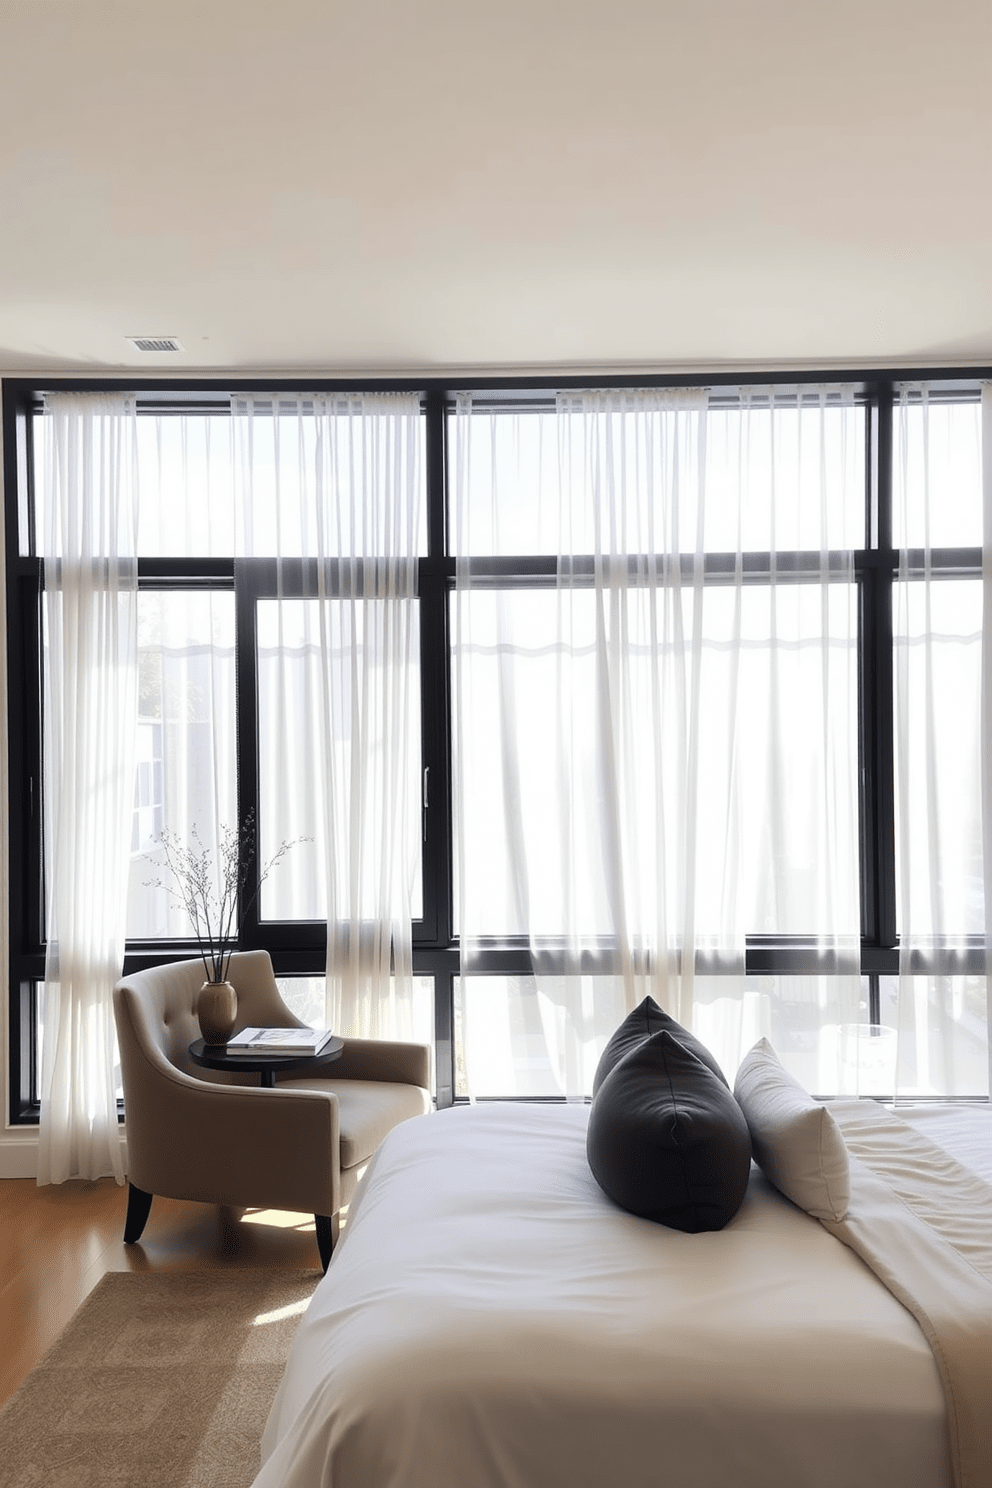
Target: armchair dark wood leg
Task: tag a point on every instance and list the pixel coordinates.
(138, 1205)
(327, 1233)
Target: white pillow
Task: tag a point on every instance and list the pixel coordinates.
(797, 1143)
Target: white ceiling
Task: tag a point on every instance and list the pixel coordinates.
(445, 185)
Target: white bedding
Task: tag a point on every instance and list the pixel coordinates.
(922, 1221)
(491, 1320)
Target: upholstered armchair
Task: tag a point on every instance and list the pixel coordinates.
(223, 1139)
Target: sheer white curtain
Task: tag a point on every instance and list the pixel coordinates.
(331, 486)
(88, 534)
(140, 704)
(186, 771)
(790, 466)
(942, 623)
(658, 755)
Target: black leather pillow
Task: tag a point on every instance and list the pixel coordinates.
(648, 1019)
(667, 1140)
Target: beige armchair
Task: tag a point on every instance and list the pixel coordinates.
(222, 1138)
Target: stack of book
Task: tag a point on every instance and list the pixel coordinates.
(295, 1042)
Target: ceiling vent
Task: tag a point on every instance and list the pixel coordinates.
(155, 343)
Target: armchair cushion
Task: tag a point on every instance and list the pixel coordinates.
(368, 1111)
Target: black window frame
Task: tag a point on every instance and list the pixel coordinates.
(299, 947)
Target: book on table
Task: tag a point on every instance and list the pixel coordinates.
(288, 1041)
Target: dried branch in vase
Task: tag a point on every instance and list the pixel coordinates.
(212, 893)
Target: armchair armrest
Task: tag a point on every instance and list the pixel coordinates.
(235, 1144)
(384, 1059)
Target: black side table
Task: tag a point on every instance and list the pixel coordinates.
(215, 1056)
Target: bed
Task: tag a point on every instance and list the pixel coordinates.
(492, 1320)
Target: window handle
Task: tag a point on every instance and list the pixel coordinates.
(426, 803)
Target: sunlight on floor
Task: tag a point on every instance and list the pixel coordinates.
(279, 1314)
(286, 1219)
(280, 1219)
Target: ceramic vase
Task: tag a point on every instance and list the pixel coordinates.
(217, 1011)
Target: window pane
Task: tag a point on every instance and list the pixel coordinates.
(198, 499)
(188, 505)
(797, 741)
(519, 450)
(804, 451)
(305, 996)
(302, 779)
(868, 1059)
(34, 1097)
(777, 756)
(937, 475)
(38, 1004)
(516, 474)
(803, 1017)
(313, 476)
(938, 654)
(186, 768)
(513, 1037)
(512, 1032)
(939, 1029)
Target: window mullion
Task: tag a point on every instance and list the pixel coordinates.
(435, 682)
(877, 742)
(246, 595)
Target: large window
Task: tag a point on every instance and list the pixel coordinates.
(826, 625)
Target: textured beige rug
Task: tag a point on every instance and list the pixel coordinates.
(162, 1381)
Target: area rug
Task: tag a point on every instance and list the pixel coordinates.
(162, 1381)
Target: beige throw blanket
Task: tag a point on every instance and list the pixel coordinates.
(923, 1223)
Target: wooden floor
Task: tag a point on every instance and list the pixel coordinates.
(57, 1242)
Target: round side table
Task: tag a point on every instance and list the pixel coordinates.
(215, 1056)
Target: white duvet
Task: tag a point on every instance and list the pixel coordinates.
(491, 1320)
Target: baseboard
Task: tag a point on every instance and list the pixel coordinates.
(19, 1153)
